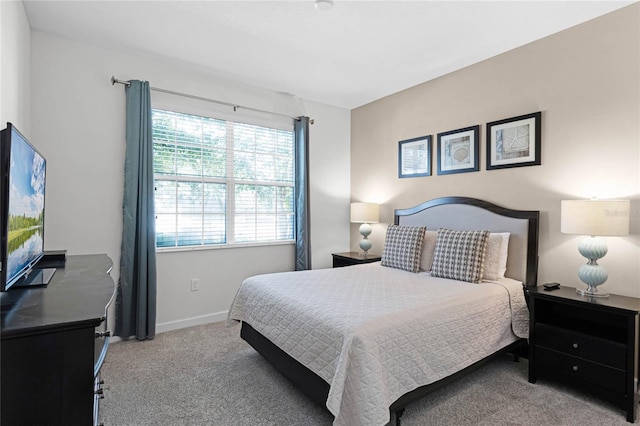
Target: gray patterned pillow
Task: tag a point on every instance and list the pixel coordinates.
(402, 247)
(460, 255)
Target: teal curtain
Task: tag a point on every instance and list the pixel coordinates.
(302, 215)
(136, 296)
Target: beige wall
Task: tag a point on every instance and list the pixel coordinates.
(586, 82)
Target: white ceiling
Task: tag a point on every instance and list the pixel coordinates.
(350, 55)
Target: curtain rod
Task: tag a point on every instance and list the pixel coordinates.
(235, 107)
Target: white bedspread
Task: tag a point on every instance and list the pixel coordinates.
(375, 333)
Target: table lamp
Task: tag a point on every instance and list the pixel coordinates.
(595, 218)
(365, 213)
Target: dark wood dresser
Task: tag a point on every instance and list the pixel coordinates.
(587, 342)
(53, 343)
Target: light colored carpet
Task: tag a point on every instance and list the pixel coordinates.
(207, 375)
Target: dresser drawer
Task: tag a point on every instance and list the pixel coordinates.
(580, 345)
(580, 369)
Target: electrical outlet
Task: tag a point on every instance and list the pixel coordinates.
(195, 284)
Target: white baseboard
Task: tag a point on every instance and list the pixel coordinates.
(184, 323)
(190, 322)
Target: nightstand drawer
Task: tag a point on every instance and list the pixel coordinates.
(581, 345)
(580, 369)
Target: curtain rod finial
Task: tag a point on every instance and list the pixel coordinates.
(114, 80)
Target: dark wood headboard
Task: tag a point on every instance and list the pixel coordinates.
(464, 213)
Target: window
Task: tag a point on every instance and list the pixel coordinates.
(219, 182)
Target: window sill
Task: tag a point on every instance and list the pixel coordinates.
(222, 246)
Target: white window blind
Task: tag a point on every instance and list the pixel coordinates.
(220, 182)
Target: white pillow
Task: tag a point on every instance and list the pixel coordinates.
(495, 263)
(428, 247)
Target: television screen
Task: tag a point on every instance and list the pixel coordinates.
(23, 210)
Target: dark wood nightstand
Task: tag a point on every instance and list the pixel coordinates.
(586, 342)
(353, 258)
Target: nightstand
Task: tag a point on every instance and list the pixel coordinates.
(587, 342)
(353, 258)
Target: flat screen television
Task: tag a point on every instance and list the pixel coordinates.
(22, 186)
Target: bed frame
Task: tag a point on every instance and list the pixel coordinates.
(461, 213)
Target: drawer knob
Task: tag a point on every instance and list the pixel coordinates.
(574, 368)
(575, 346)
(103, 334)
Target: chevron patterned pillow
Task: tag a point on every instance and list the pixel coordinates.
(402, 247)
(460, 255)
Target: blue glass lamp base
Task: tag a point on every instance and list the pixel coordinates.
(591, 273)
(365, 243)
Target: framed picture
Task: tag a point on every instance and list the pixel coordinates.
(514, 142)
(458, 151)
(414, 157)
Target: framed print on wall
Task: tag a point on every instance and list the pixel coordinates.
(414, 157)
(514, 142)
(458, 151)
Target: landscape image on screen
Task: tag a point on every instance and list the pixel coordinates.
(26, 206)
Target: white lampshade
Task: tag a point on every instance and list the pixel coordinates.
(595, 217)
(365, 212)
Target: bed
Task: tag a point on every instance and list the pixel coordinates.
(367, 340)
